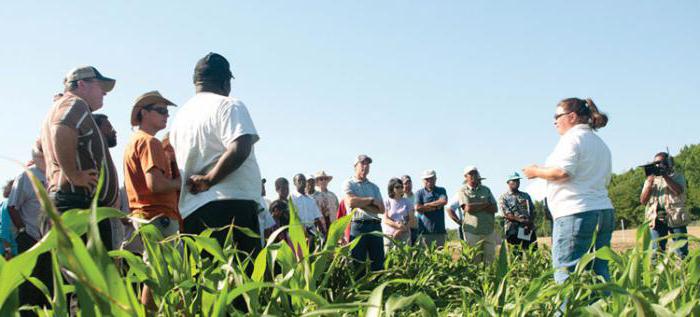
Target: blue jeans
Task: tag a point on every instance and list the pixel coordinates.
(661, 230)
(572, 237)
(368, 245)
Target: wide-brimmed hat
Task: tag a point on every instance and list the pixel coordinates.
(322, 173)
(472, 168)
(514, 176)
(149, 98)
(89, 72)
(428, 174)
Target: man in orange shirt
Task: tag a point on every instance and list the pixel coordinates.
(148, 174)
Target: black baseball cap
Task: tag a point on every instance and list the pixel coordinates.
(212, 67)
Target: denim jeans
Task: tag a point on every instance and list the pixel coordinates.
(572, 237)
(661, 230)
(368, 245)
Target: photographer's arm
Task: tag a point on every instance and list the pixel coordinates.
(646, 191)
(676, 188)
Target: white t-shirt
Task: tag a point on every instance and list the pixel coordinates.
(587, 160)
(307, 209)
(202, 130)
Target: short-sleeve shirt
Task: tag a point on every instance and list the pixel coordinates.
(364, 188)
(144, 153)
(24, 199)
(476, 222)
(91, 151)
(201, 132)
(327, 202)
(587, 160)
(518, 204)
(396, 210)
(7, 228)
(431, 222)
(306, 208)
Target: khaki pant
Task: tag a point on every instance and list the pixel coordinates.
(486, 244)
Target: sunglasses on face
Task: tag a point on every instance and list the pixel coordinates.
(160, 110)
(398, 187)
(557, 116)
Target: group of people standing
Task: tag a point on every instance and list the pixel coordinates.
(204, 174)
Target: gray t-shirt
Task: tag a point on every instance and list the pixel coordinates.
(364, 188)
(26, 202)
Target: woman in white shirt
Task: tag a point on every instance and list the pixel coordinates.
(577, 174)
(398, 215)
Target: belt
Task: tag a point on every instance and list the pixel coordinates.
(367, 221)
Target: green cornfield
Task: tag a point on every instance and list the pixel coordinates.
(282, 282)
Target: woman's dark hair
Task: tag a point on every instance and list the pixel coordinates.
(393, 183)
(586, 110)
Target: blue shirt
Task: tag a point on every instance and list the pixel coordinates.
(432, 222)
(6, 228)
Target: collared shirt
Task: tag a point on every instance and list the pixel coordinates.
(306, 208)
(91, 152)
(663, 205)
(364, 188)
(26, 202)
(475, 222)
(202, 131)
(587, 160)
(518, 204)
(431, 222)
(327, 202)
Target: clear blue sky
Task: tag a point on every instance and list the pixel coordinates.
(413, 84)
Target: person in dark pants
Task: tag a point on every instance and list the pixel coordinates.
(27, 217)
(664, 196)
(519, 213)
(213, 137)
(365, 196)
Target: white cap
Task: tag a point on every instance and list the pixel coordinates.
(428, 174)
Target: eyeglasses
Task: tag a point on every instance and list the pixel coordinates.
(162, 111)
(556, 116)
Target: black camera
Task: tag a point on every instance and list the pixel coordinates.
(658, 168)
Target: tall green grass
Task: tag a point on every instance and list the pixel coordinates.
(296, 281)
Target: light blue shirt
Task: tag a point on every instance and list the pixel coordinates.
(7, 230)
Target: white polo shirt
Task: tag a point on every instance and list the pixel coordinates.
(201, 132)
(587, 160)
(307, 209)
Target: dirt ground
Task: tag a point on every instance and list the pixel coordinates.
(624, 239)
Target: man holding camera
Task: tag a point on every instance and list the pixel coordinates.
(518, 211)
(664, 195)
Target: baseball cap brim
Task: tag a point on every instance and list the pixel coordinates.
(107, 84)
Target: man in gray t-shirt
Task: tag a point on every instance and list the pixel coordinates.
(364, 196)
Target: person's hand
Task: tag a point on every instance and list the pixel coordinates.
(198, 183)
(86, 178)
(530, 171)
(376, 202)
(7, 250)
